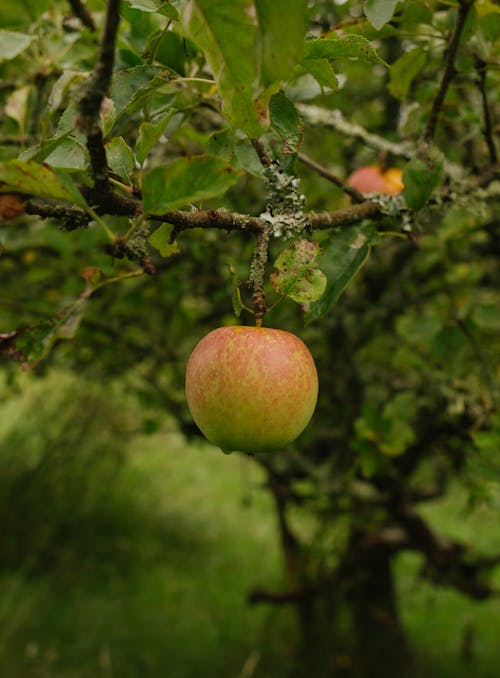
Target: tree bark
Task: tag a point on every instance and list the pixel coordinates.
(381, 648)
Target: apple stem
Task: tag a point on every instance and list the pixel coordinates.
(257, 272)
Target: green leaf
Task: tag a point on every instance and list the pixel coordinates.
(69, 155)
(487, 317)
(345, 252)
(169, 11)
(61, 89)
(225, 30)
(67, 123)
(25, 13)
(184, 181)
(344, 47)
(417, 328)
(420, 177)
(286, 121)
(379, 12)
(108, 116)
(160, 240)
(16, 106)
(398, 416)
(120, 158)
(280, 39)
(485, 7)
(13, 43)
(390, 430)
(164, 8)
(144, 5)
(246, 159)
(149, 134)
(404, 70)
(29, 345)
(131, 84)
(41, 151)
(222, 144)
(26, 176)
(236, 294)
(321, 70)
(299, 277)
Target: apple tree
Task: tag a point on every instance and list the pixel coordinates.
(167, 168)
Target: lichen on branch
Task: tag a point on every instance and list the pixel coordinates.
(285, 203)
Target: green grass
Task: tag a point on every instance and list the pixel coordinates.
(179, 610)
(452, 636)
(180, 535)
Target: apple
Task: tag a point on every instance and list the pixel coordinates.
(251, 389)
(394, 180)
(372, 179)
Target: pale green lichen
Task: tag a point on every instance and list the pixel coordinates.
(285, 203)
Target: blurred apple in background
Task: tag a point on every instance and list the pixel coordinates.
(372, 179)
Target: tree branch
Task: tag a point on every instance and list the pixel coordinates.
(448, 73)
(344, 216)
(81, 11)
(107, 202)
(183, 220)
(326, 174)
(316, 115)
(71, 217)
(448, 563)
(488, 127)
(95, 89)
(278, 597)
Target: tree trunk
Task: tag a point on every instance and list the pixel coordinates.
(380, 645)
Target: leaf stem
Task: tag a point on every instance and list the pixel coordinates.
(158, 42)
(394, 234)
(117, 278)
(123, 187)
(111, 235)
(137, 223)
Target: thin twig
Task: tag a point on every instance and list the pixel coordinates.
(334, 179)
(95, 89)
(81, 11)
(260, 149)
(488, 127)
(257, 275)
(448, 73)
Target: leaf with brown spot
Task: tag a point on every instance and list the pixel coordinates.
(298, 275)
(11, 206)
